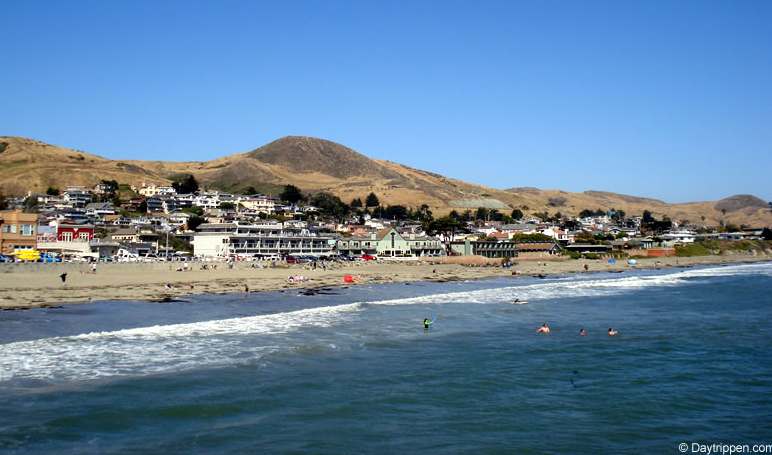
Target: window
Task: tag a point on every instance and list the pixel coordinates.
(66, 236)
(27, 229)
(83, 235)
(9, 229)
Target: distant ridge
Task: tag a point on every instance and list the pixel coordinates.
(321, 165)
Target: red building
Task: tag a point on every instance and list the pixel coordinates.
(71, 232)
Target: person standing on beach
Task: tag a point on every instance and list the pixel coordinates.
(93, 267)
(63, 277)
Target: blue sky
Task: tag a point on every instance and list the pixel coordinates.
(669, 99)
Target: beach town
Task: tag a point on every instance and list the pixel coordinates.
(114, 241)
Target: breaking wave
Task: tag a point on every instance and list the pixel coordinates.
(177, 347)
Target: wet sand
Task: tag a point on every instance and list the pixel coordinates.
(38, 285)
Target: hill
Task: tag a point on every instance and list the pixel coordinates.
(321, 165)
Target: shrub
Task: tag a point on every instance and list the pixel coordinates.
(693, 249)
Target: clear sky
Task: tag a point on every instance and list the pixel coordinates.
(669, 99)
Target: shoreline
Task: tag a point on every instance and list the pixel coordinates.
(39, 286)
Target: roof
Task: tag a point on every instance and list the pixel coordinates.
(124, 231)
(100, 205)
(383, 232)
(536, 246)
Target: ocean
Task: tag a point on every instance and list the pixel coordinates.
(352, 370)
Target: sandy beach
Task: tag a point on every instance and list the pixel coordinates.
(38, 285)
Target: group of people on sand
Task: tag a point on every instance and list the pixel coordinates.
(545, 329)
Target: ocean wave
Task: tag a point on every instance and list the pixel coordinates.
(177, 347)
(580, 286)
(157, 349)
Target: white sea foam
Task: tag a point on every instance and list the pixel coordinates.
(580, 286)
(156, 349)
(177, 347)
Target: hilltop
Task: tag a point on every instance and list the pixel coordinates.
(320, 165)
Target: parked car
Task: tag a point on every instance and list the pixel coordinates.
(4, 258)
(49, 257)
(298, 259)
(368, 257)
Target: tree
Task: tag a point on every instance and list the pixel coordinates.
(142, 207)
(111, 186)
(395, 212)
(424, 213)
(291, 194)
(647, 217)
(372, 200)
(3, 202)
(30, 203)
(195, 210)
(572, 225)
(446, 227)
(330, 205)
(544, 216)
(227, 205)
(517, 214)
(51, 191)
(194, 222)
(481, 213)
(537, 237)
(185, 184)
(356, 203)
(766, 234)
(249, 190)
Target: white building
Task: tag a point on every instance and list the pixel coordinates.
(212, 199)
(157, 190)
(674, 237)
(259, 204)
(227, 239)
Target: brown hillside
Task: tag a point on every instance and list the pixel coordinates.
(30, 165)
(320, 165)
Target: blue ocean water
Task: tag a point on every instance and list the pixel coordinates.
(353, 371)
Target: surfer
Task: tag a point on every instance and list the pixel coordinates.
(543, 329)
(427, 323)
(582, 332)
(612, 332)
(246, 289)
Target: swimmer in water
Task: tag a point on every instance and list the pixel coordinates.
(427, 323)
(582, 332)
(612, 332)
(543, 329)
